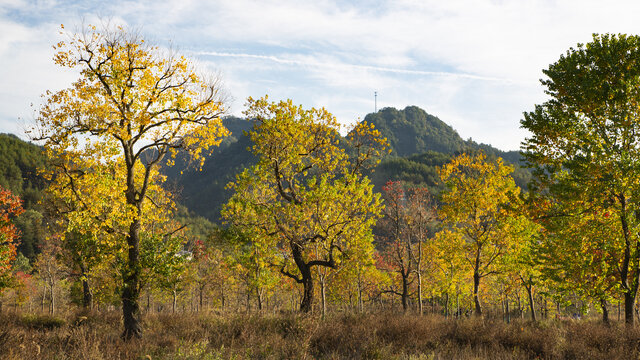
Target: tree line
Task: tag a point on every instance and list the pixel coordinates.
(304, 221)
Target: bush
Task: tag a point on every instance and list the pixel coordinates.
(42, 322)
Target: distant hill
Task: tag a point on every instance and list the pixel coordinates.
(203, 192)
(420, 143)
(413, 131)
(19, 163)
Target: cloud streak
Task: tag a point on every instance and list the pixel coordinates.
(294, 62)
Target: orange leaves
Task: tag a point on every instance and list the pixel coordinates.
(10, 207)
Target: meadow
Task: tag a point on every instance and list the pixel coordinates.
(284, 335)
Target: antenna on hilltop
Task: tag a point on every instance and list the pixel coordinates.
(375, 101)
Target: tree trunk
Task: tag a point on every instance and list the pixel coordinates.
(419, 290)
(405, 292)
(605, 312)
(131, 290)
(307, 280)
(531, 303)
(476, 288)
(323, 295)
(446, 305)
(520, 311)
(87, 296)
(200, 296)
(259, 295)
(174, 302)
(222, 297)
(44, 297)
(307, 298)
(507, 310)
(52, 304)
(618, 310)
(629, 301)
(360, 302)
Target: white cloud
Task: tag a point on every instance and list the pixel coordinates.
(474, 64)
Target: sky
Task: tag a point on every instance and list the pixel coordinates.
(475, 64)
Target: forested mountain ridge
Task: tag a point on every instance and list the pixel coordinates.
(413, 130)
(203, 191)
(419, 143)
(19, 164)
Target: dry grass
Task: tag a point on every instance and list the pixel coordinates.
(292, 336)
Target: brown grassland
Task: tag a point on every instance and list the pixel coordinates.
(294, 336)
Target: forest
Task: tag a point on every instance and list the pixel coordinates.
(144, 222)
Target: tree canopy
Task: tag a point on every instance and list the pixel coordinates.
(306, 197)
(585, 144)
(132, 105)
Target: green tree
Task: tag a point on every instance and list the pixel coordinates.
(584, 142)
(132, 105)
(305, 197)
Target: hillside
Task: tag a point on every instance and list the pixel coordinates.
(413, 131)
(420, 143)
(203, 192)
(19, 165)
(18, 168)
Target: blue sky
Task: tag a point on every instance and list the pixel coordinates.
(474, 64)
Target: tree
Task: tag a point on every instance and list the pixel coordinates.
(399, 248)
(576, 255)
(408, 215)
(132, 105)
(475, 211)
(51, 270)
(305, 193)
(10, 207)
(585, 140)
(450, 269)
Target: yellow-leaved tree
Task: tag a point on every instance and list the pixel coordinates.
(132, 105)
(475, 213)
(306, 198)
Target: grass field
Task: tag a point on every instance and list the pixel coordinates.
(292, 336)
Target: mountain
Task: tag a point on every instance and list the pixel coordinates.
(203, 192)
(413, 131)
(420, 143)
(19, 165)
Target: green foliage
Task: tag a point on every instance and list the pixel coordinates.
(32, 232)
(19, 166)
(584, 147)
(416, 170)
(305, 193)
